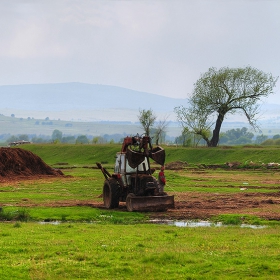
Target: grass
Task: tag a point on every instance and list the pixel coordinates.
(222, 181)
(102, 251)
(90, 154)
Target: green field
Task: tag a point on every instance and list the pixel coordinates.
(90, 154)
(42, 241)
(106, 251)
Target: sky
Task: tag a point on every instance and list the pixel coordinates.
(156, 46)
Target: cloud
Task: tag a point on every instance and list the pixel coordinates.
(160, 47)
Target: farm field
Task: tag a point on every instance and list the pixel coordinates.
(55, 227)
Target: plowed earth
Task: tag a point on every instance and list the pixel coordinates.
(17, 164)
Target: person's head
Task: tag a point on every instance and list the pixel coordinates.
(162, 168)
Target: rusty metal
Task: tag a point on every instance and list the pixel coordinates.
(158, 155)
(106, 174)
(134, 158)
(149, 203)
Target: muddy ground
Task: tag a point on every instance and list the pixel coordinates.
(17, 165)
(204, 205)
(191, 205)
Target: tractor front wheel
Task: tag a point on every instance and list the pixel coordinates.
(111, 194)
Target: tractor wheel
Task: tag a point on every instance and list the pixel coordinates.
(111, 193)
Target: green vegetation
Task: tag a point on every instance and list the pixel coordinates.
(105, 153)
(70, 214)
(104, 251)
(50, 229)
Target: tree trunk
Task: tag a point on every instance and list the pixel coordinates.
(216, 132)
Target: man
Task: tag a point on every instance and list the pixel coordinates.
(161, 180)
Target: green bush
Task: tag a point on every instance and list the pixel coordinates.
(14, 215)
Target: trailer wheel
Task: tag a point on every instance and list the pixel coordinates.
(111, 194)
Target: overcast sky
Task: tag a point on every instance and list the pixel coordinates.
(156, 46)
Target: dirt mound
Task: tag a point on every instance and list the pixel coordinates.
(176, 165)
(18, 162)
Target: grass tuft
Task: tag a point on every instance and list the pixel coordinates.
(14, 215)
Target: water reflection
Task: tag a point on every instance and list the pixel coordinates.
(199, 224)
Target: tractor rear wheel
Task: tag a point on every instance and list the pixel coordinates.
(111, 193)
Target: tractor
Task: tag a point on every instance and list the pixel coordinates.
(132, 181)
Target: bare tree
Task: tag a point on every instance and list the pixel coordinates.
(160, 129)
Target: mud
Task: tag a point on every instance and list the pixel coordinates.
(189, 206)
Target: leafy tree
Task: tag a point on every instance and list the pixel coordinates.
(57, 135)
(147, 120)
(261, 138)
(82, 139)
(276, 136)
(68, 139)
(221, 92)
(38, 140)
(13, 138)
(185, 138)
(236, 136)
(24, 137)
(98, 140)
(95, 140)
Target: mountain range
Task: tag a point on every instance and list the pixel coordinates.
(94, 102)
(84, 102)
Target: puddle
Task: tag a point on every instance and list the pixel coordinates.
(50, 223)
(199, 224)
(177, 224)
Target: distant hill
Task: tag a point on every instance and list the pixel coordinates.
(79, 101)
(96, 103)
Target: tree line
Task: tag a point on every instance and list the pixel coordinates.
(238, 136)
